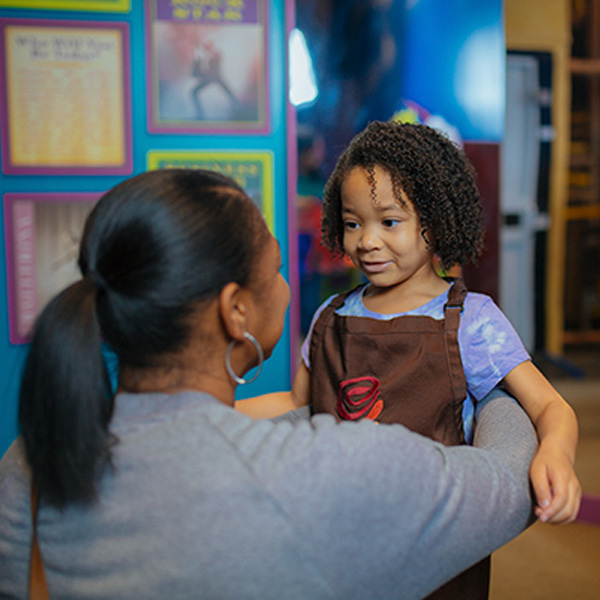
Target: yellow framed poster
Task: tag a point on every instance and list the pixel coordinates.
(252, 170)
(65, 97)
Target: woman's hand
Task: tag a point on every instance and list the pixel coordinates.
(555, 484)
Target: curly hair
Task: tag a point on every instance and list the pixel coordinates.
(432, 171)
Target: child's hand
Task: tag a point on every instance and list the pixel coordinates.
(557, 489)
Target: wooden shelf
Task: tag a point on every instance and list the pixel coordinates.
(584, 336)
(583, 196)
(583, 210)
(585, 66)
(589, 212)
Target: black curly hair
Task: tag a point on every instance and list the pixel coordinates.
(432, 171)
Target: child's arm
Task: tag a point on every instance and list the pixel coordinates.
(553, 478)
(277, 403)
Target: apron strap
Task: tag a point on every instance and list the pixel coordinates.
(454, 306)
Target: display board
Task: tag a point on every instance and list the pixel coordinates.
(81, 109)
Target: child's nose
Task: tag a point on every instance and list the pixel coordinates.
(368, 240)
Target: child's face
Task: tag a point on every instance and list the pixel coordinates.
(382, 236)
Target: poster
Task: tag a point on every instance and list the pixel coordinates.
(252, 170)
(65, 97)
(89, 5)
(42, 233)
(207, 64)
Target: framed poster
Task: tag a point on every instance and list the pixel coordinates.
(252, 170)
(65, 97)
(207, 66)
(42, 233)
(88, 5)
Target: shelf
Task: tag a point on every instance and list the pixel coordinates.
(585, 66)
(582, 214)
(583, 336)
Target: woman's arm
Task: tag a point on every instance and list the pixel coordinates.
(385, 512)
(554, 481)
(272, 405)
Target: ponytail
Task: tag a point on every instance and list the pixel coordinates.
(152, 248)
(65, 404)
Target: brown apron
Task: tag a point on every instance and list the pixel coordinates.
(405, 370)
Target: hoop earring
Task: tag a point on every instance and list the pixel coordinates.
(261, 358)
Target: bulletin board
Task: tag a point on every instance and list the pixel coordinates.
(114, 56)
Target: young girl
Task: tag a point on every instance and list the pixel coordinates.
(410, 346)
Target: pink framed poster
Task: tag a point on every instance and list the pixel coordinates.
(207, 66)
(65, 103)
(42, 233)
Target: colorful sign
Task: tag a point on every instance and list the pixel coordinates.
(42, 233)
(252, 170)
(64, 97)
(207, 63)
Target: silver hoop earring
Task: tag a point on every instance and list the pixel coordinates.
(261, 358)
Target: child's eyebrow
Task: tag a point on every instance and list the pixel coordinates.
(391, 206)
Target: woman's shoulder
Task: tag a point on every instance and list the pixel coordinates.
(13, 463)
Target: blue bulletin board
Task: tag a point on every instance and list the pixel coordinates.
(264, 136)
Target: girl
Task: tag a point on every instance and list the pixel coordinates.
(410, 346)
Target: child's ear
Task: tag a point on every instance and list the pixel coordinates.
(427, 237)
(233, 310)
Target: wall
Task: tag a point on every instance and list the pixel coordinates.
(545, 26)
(461, 77)
(276, 373)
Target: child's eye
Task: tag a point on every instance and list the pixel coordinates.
(390, 222)
(350, 224)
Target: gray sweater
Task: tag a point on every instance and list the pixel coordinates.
(204, 502)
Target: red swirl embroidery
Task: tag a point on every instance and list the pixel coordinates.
(359, 398)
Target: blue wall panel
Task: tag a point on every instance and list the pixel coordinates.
(276, 373)
(453, 63)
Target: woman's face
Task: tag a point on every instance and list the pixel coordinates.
(271, 295)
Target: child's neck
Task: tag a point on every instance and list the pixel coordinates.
(406, 295)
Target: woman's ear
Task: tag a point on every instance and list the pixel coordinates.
(233, 309)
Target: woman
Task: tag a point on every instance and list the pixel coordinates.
(166, 491)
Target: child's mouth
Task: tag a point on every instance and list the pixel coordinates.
(375, 266)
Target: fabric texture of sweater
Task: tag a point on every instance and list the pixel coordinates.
(204, 502)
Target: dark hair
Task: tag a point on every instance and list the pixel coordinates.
(434, 173)
(153, 248)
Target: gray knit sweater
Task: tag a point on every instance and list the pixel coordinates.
(204, 502)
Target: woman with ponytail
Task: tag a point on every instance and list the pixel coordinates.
(164, 490)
